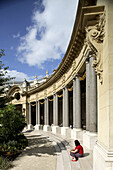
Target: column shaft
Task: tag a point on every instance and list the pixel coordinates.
(56, 123)
(93, 97)
(29, 113)
(45, 115)
(78, 103)
(66, 108)
(54, 109)
(38, 112)
(74, 101)
(87, 95)
(47, 111)
(63, 107)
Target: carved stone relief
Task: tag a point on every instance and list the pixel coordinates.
(94, 38)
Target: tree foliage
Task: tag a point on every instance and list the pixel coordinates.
(12, 123)
(4, 81)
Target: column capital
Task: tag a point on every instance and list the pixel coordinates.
(54, 93)
(77, 75)
(63, 87)
(87, 61)
(92, 55)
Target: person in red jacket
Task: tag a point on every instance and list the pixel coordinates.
(77, 152)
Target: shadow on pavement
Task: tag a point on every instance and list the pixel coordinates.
(39, 145)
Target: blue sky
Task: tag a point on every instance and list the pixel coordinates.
(35, 35)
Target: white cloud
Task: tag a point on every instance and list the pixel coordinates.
(48, 36)
(19, 76)
(17, 35)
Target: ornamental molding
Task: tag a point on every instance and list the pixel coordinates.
(54, 88)
(74, 65)
(37, 96)
(63, 80)
(45, 93)
(94, 40)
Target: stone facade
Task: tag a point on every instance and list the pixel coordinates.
(77, 99)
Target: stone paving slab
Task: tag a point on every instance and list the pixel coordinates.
(39, 155)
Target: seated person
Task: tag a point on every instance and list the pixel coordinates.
(77, 152)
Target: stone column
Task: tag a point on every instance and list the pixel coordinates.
(36, 112)
(54, 110)
(78, 104)
(55, 127)
(29, 113)
(74, 98)
(30, 125)
(65, 129)
(38, 126)
(77, 132)
(46, 115)
(87, 95)
(91, 105)
(47, 111)
(63, 107)
(66, 113)
(93, 98)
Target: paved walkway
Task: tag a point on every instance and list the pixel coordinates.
(39, 155)
(47, 151)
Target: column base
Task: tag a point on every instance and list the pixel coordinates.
(77, 134)
(56, 129)
(30, 127)
(102, 159)
(47, 128)
(66, 131)
(89, 139)
(38, 127)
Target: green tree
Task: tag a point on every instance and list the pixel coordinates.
(12, 123)
(4, 81)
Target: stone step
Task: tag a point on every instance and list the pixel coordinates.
(63, 158)
(86, 162)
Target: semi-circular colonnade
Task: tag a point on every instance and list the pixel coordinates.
(69, 100)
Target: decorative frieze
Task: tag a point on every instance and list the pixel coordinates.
(37, 96)
(63, 80)
(54, 88)
(45, 93)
